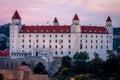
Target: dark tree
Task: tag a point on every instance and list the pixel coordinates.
(80, 64)
(66, 61)
(97, 65)
(112, 63)
(40, 69)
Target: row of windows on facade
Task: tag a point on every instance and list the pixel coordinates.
(68, 36)
(69, 41)
(81, 46)
(50, 46)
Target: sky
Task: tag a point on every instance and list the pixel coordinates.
(41, 12)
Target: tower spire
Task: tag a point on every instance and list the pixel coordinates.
(108, 19)
(16, 15)
(55, 22)
(75, 17)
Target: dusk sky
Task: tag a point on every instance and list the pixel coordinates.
(40, 12)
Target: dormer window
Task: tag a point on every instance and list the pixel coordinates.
(67, 30)
(47, 30)
(53, 30)
(35, 30)
(27, 30)
(41, 30)
(90, 31)
(61, 30)
(21, 30)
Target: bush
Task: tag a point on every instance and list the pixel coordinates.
(81, 77)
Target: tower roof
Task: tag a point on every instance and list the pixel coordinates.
(75, 17)
(16, 15)
(55, 20)
(108, 19)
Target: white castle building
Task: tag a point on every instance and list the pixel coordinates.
(57, 40)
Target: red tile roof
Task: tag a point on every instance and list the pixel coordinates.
(108, 19)
(55, 20)
(62, 29)
(16, 15)
(4, 53)
(75, 17)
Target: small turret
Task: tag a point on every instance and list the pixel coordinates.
(75, 27)
(55, 22)
(108, 25)
(16, 18)
(75, 20)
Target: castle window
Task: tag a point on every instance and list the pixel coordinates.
(43, 35)
(43, 41)
(91, 36)
(96, 36)
(22, 35)
(69, 46)
(91, 41)
(80, 41)
(61, 35)
(107, 46)
(101, 47)
(101, 41)
(55, 41)
(69, 41)
(37, 40)
(107, 41)
(55, 35)
(86, 41)
(61, 46)
(96, 41)
(36, 35)
(29, 46)
(96, 46)
(91, 46)
(69, 52)
(50, 41)
(50, 35)
(29, 35)
(56, 46)
(36, 46)
(55, 52)
(101, 36)
(80, 46)
(61, 52)
(22, 46)
(43, 46)
(86, 36)
(81, 36)
(69, 35)
(23, 40)
(50, 46)
(107, 36)
(30, 41)
(86, 46)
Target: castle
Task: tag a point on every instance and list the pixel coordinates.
(56, 41)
